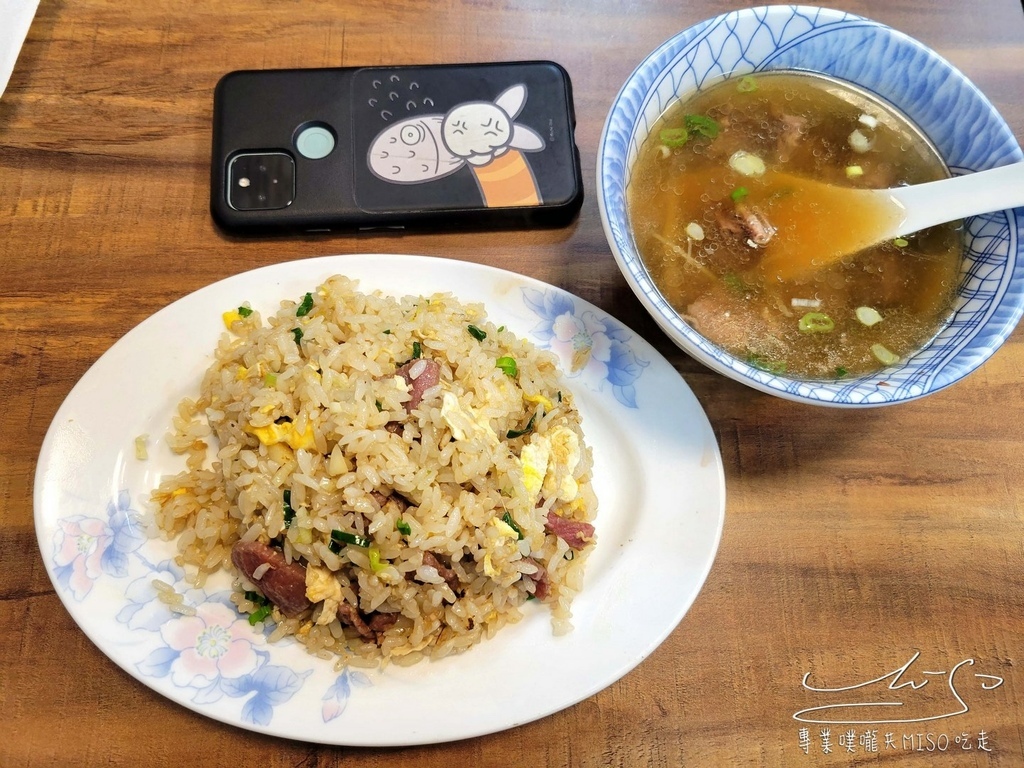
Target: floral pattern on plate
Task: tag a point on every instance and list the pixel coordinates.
(201, 645)
(586, 344)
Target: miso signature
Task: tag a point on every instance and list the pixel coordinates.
(896, 682)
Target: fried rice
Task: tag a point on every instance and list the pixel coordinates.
(385, 479)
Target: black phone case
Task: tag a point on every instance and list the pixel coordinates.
(437, 146)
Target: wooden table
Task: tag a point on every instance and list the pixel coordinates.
(854, 542)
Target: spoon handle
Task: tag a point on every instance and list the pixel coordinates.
(936, 202)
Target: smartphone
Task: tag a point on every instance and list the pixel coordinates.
(469, 146)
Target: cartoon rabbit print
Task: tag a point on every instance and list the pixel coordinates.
(480, 135)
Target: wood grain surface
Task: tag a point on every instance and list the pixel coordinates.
(852, 541)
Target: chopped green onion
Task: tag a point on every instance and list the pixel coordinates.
(334, 546)
(344, 537)
(703, 125)
(853, 171)
(901, 242)
(674, 137)
(476, 333)
(270, 380)
(507, 519)
(403, 527)
(747, 84)
(501, 328)
(841, 372)
(244, 311)
(417, 350)
(883, 355)
(816, 322)
(305, 306)
(289, 513)
(739, 193)
(868, 315)
(255, 597)
(513, 433)
(507, 365)
(259, 615)
(387, 331)
(376, 564)
(297, 333)
(768, 366)
(380, 407)
(734, 282)
(531, 596)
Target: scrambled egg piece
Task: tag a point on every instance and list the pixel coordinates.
(284, 433)
(549, 462)
(230, 317)
(464, 422)
(540, 400)
(565, 457)
(321, 585)
(534, 458)
(504, 529)
(489, 569)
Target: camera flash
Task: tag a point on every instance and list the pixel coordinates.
(243, 182)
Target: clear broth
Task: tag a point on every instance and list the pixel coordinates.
(695, 218)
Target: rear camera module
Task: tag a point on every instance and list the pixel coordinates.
(261, 181)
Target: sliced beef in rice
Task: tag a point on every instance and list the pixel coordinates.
(420, 375)
(371, 627)
(381, 622)
(282, 583)
(575, 533)
(349, 615)
(450, 577)
(541, 583)
(383, 499)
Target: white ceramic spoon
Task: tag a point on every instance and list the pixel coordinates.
(886, 214)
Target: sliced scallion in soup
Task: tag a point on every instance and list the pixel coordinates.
(715, 192)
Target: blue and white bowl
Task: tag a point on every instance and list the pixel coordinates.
(964, 126)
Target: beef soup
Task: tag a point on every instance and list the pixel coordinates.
(715, 205)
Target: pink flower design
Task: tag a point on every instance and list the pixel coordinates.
(211, 645)
(582, 343)
(78, 552)
(590, 347)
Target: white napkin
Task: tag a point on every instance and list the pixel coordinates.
(15, 19)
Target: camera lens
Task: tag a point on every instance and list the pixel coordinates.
(261, 181)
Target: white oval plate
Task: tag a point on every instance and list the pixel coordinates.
(658, 476)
